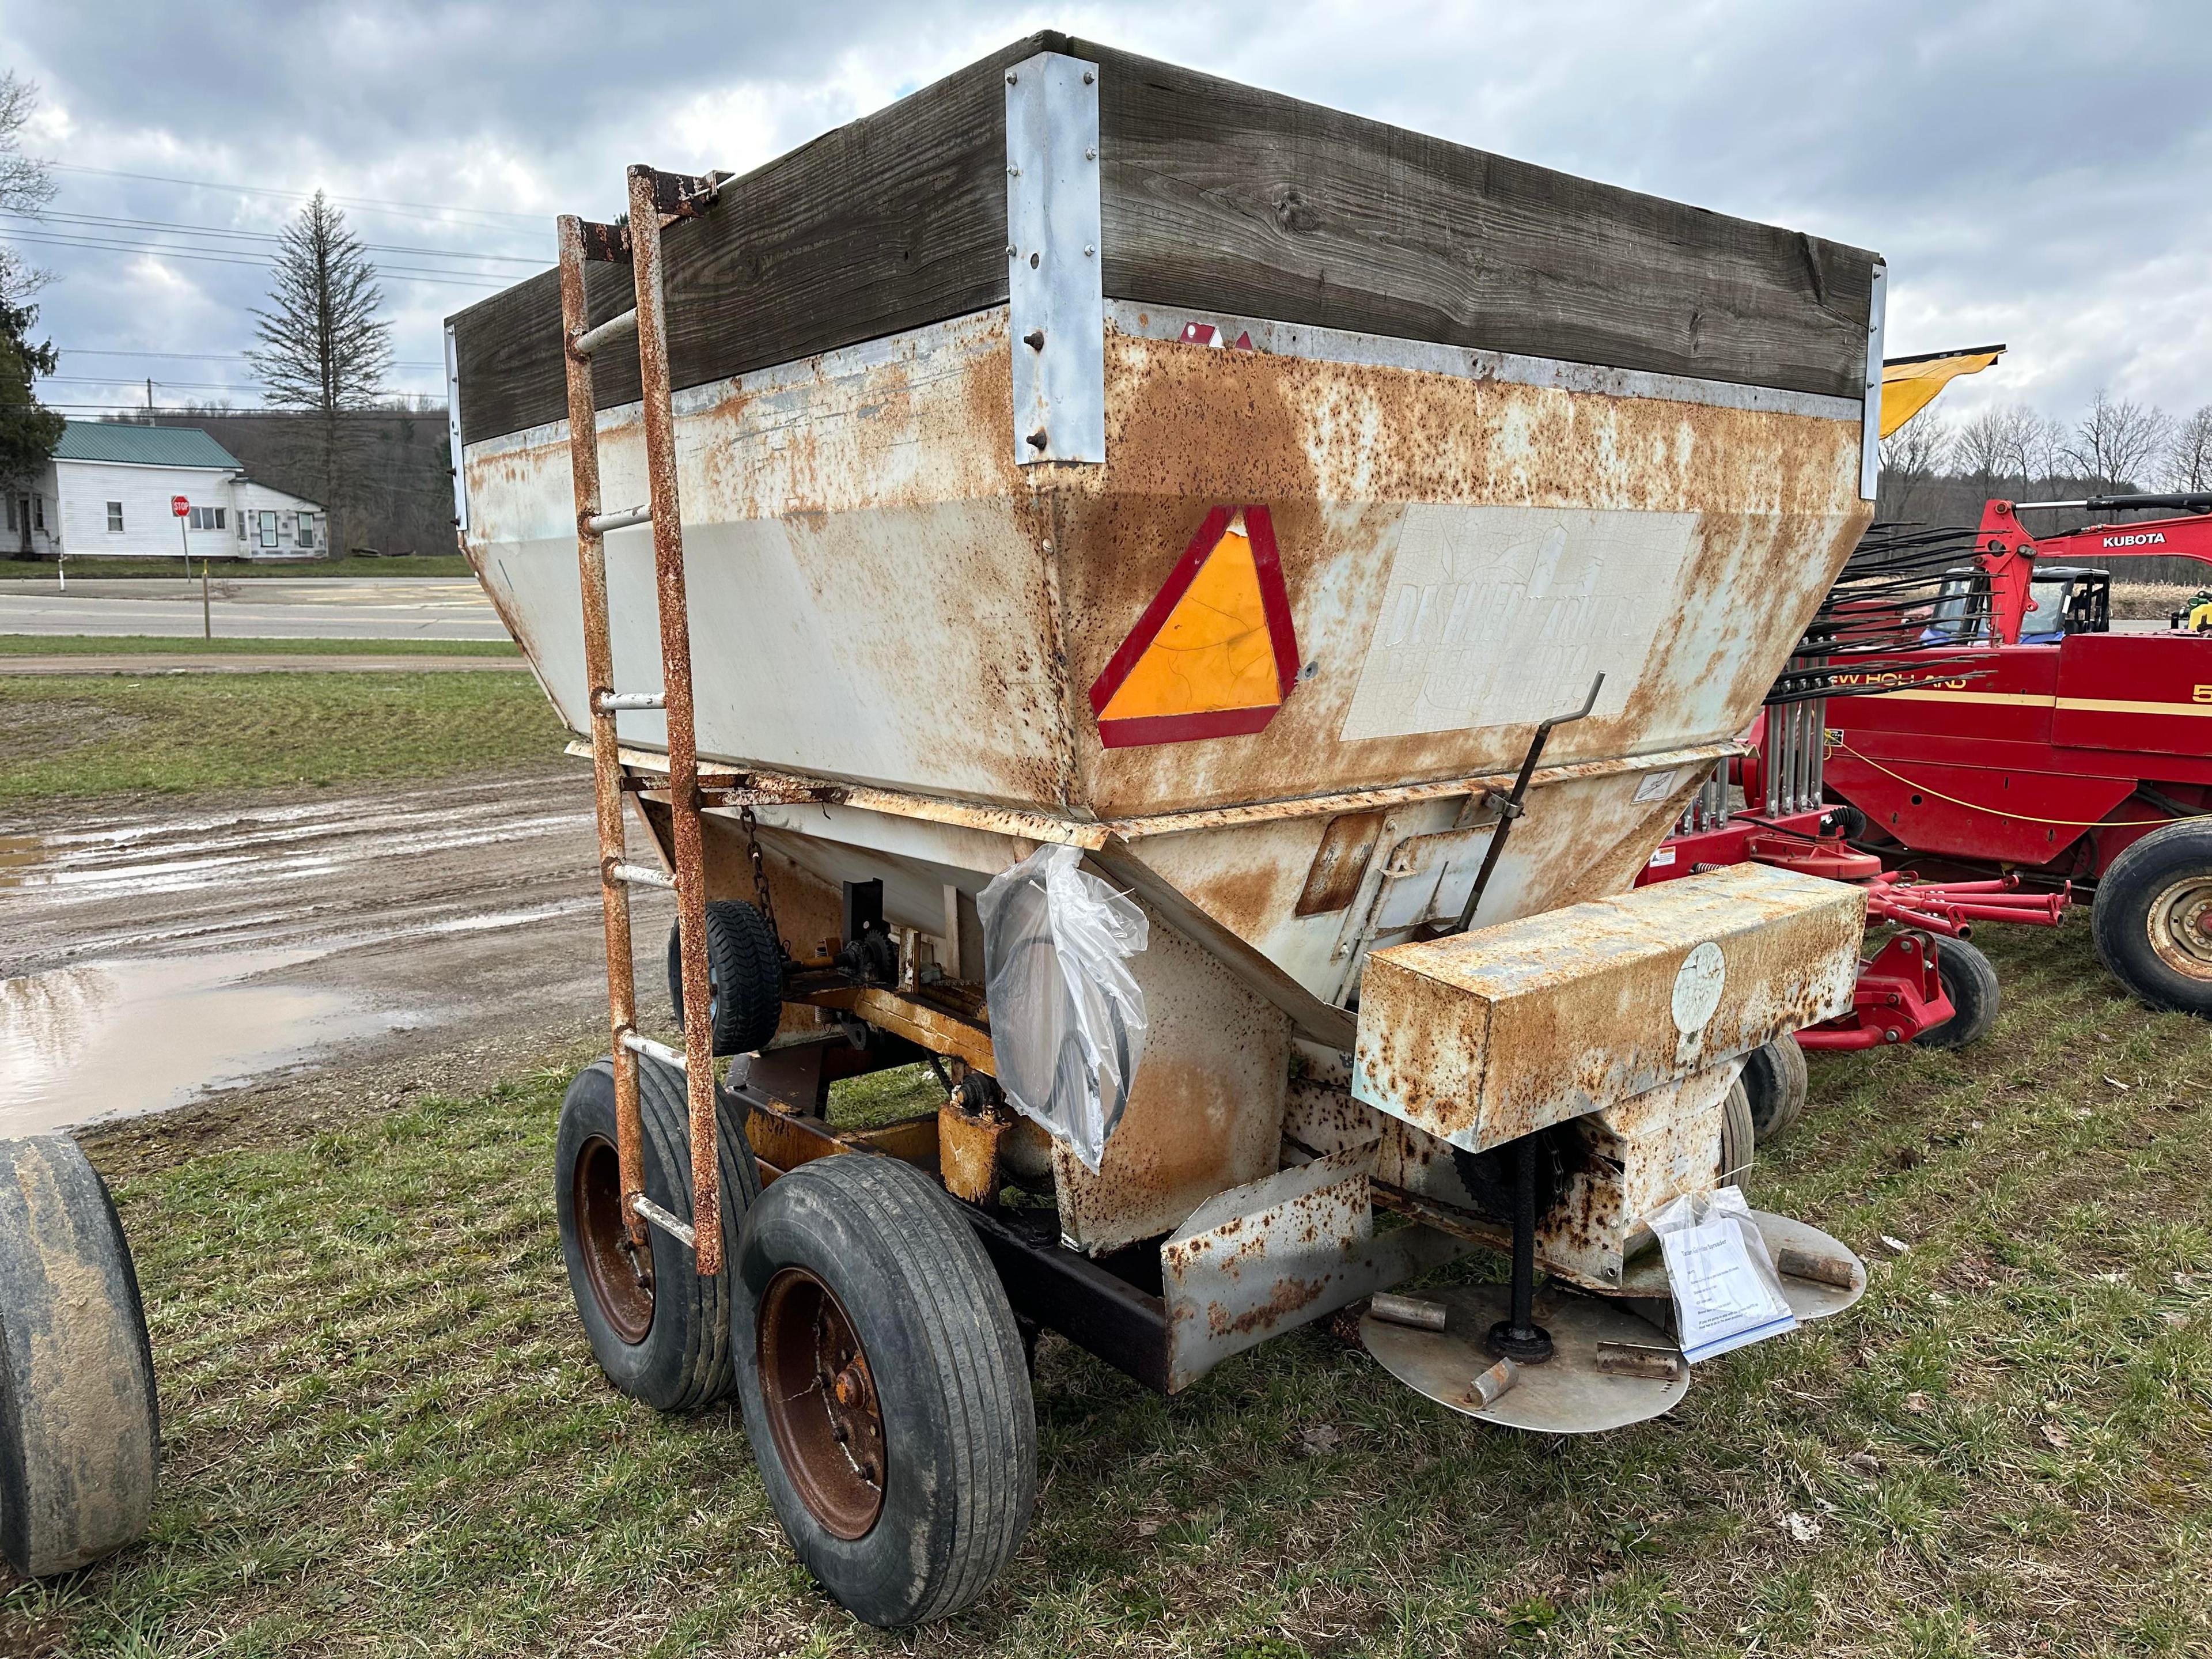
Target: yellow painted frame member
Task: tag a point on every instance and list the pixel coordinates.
(1909, 384)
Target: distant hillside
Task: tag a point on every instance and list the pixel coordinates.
(402, 494)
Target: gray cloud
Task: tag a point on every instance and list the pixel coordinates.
(2033, 172)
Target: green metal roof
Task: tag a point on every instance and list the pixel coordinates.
(141, 446)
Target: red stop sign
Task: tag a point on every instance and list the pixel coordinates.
(179, 505)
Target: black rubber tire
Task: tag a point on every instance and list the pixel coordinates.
(1775, 1082)
(959, 1423)
(745, 976)
(1739, 1141)
(2121, 923)
(682, 1361)
(1970, 980)
(80, 1423)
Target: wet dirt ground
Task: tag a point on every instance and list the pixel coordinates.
(265, 966)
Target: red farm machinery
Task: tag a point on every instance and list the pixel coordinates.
(2053, 744)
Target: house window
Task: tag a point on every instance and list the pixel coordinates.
(269, 530)
(207, 518)
(39, 511)
(115, 518)
(306, 530)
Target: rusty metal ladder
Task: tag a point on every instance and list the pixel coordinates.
(656, 200)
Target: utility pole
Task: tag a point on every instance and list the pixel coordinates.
(149, 400)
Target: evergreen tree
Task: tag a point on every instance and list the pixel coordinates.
(324, 349)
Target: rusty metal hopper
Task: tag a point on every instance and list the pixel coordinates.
(1087, 451)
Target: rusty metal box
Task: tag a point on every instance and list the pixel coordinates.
(1483, 1036)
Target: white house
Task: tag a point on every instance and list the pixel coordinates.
(108, 490)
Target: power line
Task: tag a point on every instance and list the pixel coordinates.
(404, 273)
(196, 357)
(442, 210)
(101, 221)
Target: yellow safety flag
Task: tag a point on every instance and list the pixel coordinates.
(1909, 384)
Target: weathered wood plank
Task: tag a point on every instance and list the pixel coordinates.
(1217, 198)
(887, 223)
(1221, 198)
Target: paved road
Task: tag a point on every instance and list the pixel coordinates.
(309, 608)
(159, 662)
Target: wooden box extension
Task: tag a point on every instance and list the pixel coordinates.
(1217, 198)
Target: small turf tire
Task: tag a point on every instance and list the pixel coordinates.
(1738, 1138)
(884, 1389)
(744, 976)
(658, 1329)
(1970, 982)
(1775, 1082)
(80, 1425)
(2152, 918)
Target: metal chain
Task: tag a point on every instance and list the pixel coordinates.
(761, 894)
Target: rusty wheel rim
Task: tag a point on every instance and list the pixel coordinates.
(620, 1273)
(821, 1404)
(2181, 926)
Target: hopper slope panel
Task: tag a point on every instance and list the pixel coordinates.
(869, 595)
(1460, 557)
(878, 594)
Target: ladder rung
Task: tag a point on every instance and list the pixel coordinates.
(652, 1050)
(662, 1219)
(600, 523)
(641, 875)
(609, 701)
(615, 328)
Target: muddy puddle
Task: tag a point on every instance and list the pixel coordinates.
(154, 957)
(106, 1040)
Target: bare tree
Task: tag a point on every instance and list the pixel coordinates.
(2189, 456)
(2117, 443)
(323, 347)
(26, 186)
(28, 430)
(1911, 456)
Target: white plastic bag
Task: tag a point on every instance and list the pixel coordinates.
(1067, 1021)
(1727, 1294)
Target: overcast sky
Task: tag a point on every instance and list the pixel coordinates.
(2035, 172)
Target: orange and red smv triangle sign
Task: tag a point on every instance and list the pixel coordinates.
(1214, 655)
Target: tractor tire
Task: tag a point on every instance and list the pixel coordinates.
(744, 977)
(1738, 1138)
(658, 1329)
(80, 1424)
(2152, 917)
(1970, 980)
(1774, 1079)
(884, 1389)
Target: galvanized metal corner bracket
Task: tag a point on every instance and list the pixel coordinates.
(454, 434)
(1055, 294)
(1870, 417)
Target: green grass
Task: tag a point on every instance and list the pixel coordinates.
(383, 1432)
(130, 645)
(414, 564)
(67, 737)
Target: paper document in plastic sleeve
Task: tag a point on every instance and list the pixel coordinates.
(1727, 1293)
(1067, 1019)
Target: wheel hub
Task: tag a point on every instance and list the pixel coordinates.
(2180, 925)
(618, 1269)
(820, 1397)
